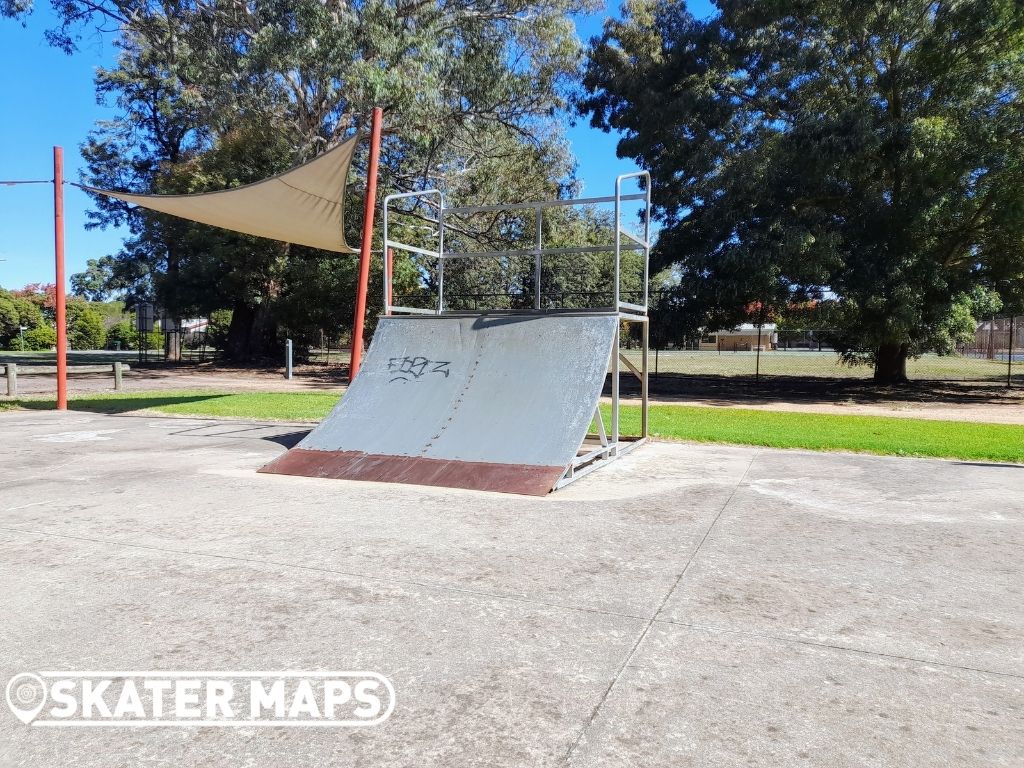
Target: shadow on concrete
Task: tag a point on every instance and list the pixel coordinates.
(289, 439)
(989, 464)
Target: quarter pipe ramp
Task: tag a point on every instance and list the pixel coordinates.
(486, 402)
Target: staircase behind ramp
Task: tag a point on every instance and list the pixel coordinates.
(484, 402)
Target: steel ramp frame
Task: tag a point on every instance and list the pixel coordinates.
(611, 444)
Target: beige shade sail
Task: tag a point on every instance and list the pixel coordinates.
(305, 205)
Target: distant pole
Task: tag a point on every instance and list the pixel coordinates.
(61, 309)
(364, 248)
(757, 359)
(288, 359)
(1009, 356)
(760, 329)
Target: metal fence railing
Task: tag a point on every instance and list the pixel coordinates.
(825, 364)
(996, 354)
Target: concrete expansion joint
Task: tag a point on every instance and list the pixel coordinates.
(845, 649)
(650, 621)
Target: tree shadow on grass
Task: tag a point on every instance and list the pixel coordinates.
(114, 404)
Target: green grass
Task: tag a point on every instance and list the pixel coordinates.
(868, 434)
(823, 432)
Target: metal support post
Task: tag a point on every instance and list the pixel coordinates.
(615, 390)
(538, 257)
(364, 248)
(61, 307)
(644, 400)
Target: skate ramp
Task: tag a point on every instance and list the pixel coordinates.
(486, 402)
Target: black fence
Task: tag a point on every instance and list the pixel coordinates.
(995, 354)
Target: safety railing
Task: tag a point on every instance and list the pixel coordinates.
(624, 241)
(390, 245)
(610, 444)
(634, 242)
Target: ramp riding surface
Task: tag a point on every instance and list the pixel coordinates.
(487, 402)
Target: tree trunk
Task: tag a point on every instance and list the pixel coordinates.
(891, 364)
(171, 299)
(172, 343)
(243, 317)
(249, 334)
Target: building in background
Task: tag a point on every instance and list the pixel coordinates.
(744, 338)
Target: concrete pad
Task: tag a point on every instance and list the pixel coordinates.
(618, 555)
(698, 698)
(688, 604)
(909, 558)
(479, 681)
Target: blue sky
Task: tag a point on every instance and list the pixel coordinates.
(48, 99)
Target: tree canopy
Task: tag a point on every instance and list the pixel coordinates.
(215, 94)
(866, 154)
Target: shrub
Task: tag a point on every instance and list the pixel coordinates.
(42, 337)
(8, 321)
(16, 312)
(85, 326)
(155, 340)
(123, 332)
(217, 330)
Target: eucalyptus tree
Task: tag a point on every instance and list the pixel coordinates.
(865, 153)
(216, 93)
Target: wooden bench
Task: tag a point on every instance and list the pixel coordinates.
(13, 370)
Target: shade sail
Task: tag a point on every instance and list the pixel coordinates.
(305, 205)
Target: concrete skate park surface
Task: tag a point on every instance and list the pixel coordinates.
(690, 605)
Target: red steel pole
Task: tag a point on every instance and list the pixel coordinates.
(364, 249)
(58, 248)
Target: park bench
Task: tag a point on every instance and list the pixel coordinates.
(13, 370)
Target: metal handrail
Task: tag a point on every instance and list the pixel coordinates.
(438, 254)
(612, 443)
(628, 243)
(634, 312)
(575, 249)
(542, 204)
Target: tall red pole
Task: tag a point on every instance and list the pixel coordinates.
(364, 249)
(58, 248)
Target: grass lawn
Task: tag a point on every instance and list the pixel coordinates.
(870, 434)
(823, 432)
